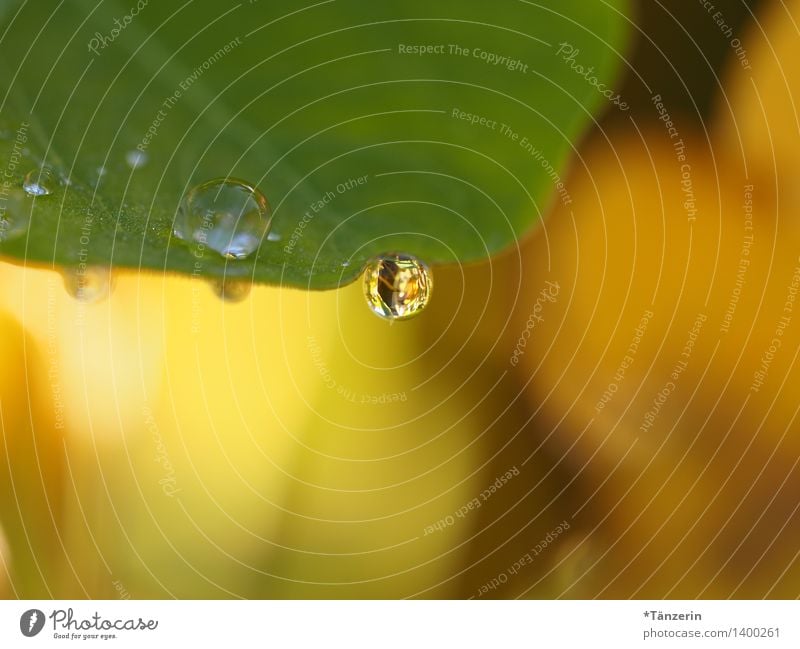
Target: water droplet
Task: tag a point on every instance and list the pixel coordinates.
(39, 182)
(397, 286)
(232, 290)
(227, 215)
(89, 285)
(99, 174)
(15, 215)
(136, 159)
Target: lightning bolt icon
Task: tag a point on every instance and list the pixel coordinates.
(32, 620)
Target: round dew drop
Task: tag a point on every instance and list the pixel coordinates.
(39, 182)
(228, 216)
(136, 159)
(397, 286)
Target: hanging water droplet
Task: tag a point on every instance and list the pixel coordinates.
(89, 285)
(15, 215)
(227, 215)
(397, 286)
(136, 159)
(232, 290)
(39, 182)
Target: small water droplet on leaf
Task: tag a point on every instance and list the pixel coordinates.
(136, 159)
(226, 215)
(39, 182)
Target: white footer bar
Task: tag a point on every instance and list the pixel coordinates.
(406, 624)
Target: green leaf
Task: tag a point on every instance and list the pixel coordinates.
(301, 101)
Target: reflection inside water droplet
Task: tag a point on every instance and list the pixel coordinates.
(227, 215)
(232, 290)
(397, 286)
(39, 182)
(89, 285)
(15, 215)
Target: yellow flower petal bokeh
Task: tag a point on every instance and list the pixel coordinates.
(290, 445)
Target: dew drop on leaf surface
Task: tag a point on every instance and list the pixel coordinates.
(39, 182)
(226, 215)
